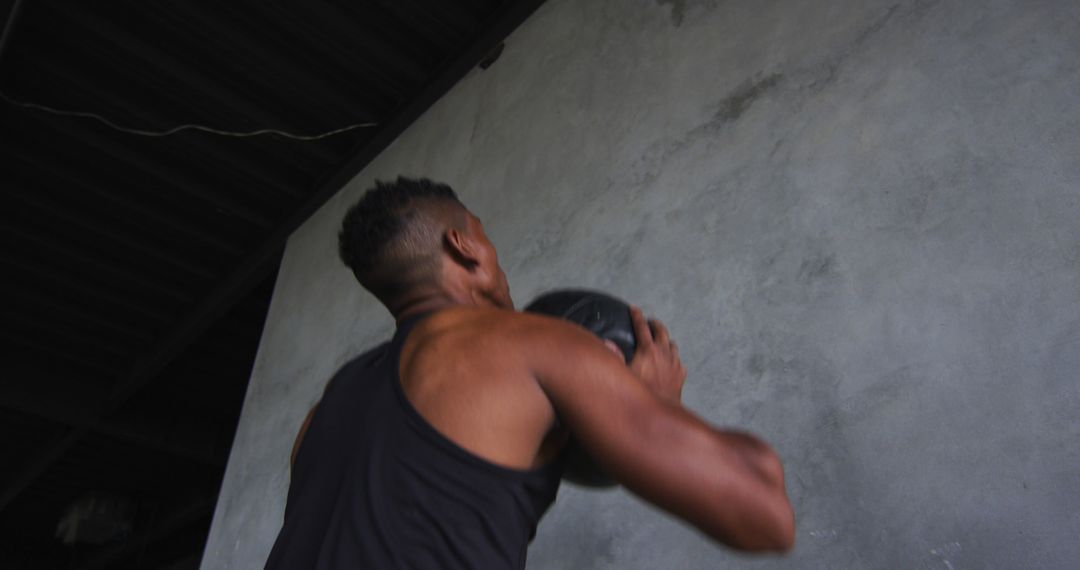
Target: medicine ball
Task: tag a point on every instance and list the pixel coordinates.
(608, 318)
(605, 316)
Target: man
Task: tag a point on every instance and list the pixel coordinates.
(440, 448)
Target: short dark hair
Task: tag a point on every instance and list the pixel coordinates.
(391, 237)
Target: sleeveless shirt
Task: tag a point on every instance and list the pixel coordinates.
(374, 485)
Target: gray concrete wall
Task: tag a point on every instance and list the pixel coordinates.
(858, 217)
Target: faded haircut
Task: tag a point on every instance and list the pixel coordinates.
(392, 237)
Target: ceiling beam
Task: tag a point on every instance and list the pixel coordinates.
(46, 456)
(123, 273)
(454, 22)
(75, 288)
(223, 153)
(52, 396)
(47, 209)
(33, 302)
(201, 452)
(75, 412)
(258, 264)
(60, 171)
(226, 100)
(51, 328)
(9, 27)
(319, 18)
(276, 50)
(165, 177)
(87, 358)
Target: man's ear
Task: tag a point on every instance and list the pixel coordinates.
(461, 247)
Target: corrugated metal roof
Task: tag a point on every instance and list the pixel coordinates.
(137, 269)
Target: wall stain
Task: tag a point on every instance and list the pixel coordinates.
(757, 365)
(876, 26)
(678, 10)
(646, 168)
(801, 84)
(621, 254)
(742, 98)
(871, 401)
(822, 77)
(816, 78)
(800, 275)
(817, 267)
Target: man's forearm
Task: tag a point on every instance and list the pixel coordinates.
(731, 484)
(773, 512)
(759, 457)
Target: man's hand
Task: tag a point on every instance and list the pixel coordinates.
(656, 360)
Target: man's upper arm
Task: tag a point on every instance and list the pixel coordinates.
(300, 435)
(657, 449)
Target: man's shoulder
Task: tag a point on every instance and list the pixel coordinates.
(496, 336)
(500, 324)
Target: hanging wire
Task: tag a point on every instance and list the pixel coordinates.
(174, 130)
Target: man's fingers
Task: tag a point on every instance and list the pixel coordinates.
(641, 328)
(660, 334)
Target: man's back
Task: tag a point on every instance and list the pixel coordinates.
(376, 485)
(465, 372)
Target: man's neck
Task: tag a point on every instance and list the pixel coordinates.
(420, 306)
(431, 301)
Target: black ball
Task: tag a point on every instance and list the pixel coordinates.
(605, 316)
(608, 318)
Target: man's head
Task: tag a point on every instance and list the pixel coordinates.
(413, 238)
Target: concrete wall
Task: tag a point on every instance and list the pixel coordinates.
(858, 217)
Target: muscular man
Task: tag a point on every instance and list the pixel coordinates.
(441, 448)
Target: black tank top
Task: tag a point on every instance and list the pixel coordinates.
(375, 486)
